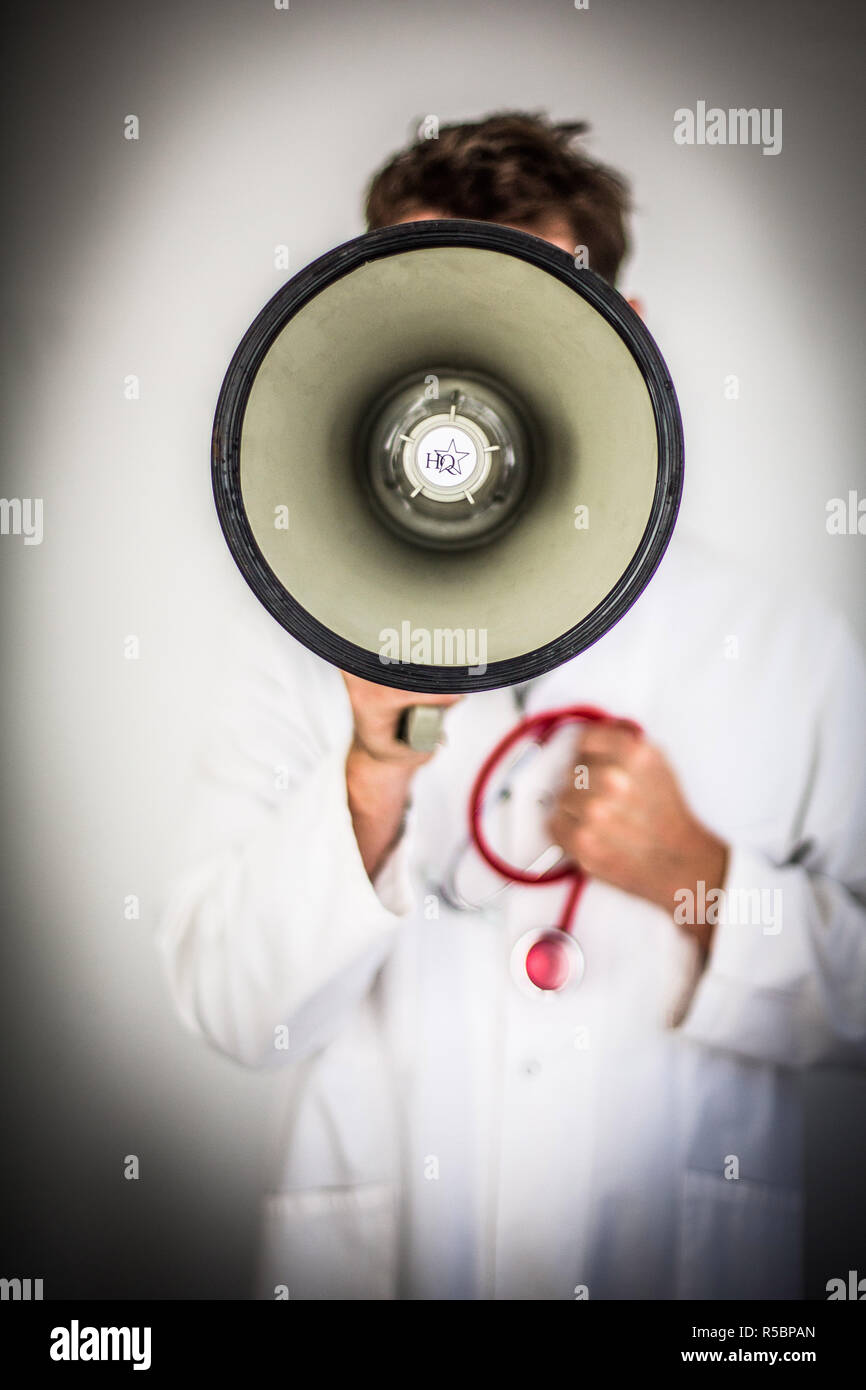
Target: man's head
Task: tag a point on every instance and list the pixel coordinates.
(512, 168)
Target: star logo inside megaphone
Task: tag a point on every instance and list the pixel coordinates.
(447, 460)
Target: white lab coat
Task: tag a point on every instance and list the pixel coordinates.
(441, 1134)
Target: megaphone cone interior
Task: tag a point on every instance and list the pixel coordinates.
(445, 459)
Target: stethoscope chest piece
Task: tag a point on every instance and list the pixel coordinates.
(547, 960)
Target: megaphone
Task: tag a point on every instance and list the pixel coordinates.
(445, 458)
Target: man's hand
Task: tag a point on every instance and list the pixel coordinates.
(377, 710)
(630, 826)
(379, 768)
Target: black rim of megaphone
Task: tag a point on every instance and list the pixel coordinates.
(228, 424)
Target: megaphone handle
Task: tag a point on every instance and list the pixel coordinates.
(420, 726)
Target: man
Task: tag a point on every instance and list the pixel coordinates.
(447, 1135)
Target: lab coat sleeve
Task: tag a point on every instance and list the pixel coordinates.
(271, 932)
(785, 980)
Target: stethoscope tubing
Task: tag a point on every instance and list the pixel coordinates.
(540, 728)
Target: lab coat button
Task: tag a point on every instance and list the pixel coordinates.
(532, 1066)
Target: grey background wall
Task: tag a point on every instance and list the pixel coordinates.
(259, 128)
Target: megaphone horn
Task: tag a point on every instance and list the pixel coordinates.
(445, 458)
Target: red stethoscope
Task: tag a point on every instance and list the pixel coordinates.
(547, 958)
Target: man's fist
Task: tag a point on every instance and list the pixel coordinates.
(629, 825)
(379, 768)
(377, 710)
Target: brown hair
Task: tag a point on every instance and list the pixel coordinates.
(511, 167)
